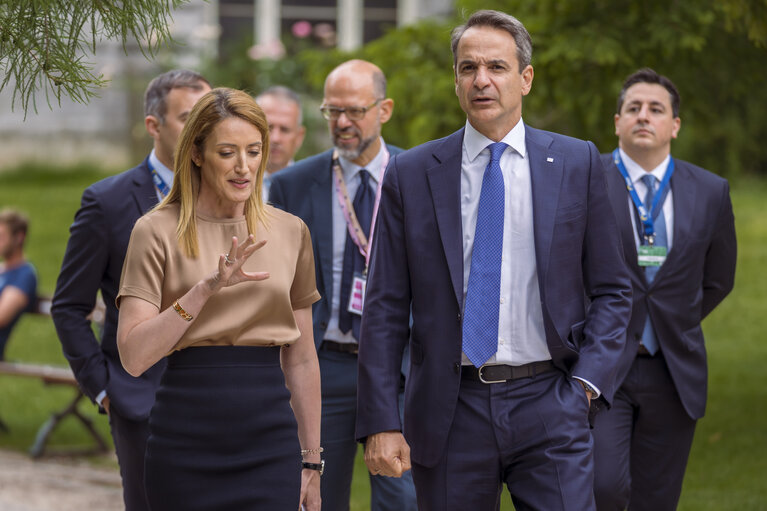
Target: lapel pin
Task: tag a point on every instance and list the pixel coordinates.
(550, 160)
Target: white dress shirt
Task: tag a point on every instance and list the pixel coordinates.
(521, 336)
(636, 173)
(164, 172)
(350, 171)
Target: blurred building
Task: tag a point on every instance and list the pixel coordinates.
(347, 23)
(109, 130)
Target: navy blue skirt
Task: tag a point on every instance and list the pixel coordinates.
(222, 434)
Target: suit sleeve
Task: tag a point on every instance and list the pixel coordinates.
(385, 322)
(608, 287)
(276, 197)
(719, 269)
(85, 262)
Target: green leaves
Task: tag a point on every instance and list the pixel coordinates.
(45, 44)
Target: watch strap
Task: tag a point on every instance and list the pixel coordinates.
(319, 467)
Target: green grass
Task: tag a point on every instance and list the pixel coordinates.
(50, 198)
(729, 457)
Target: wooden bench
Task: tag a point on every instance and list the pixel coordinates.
(51, 375)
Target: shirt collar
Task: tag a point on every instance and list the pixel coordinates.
(373, 167)
(475, 142)
(165, 173)
(636, 172)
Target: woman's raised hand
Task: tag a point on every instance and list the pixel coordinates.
(230, 270)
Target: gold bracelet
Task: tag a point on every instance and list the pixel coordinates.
(181, 312)
(318, 450)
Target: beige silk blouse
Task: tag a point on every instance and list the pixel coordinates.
(246, 314)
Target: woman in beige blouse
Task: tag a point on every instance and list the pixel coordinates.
(223, 285)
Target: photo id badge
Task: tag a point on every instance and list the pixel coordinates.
(650, 255)
(357, 295)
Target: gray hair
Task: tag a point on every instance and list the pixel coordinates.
(286, 93)
(379, 84)
(158, 89)
(501, 21)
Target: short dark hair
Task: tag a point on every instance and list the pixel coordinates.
(158, 89)
(500, 21)
(15, 220)
(647, 75)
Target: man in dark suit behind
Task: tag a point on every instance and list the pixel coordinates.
(511, 262)
(643, 442)
(356, 106)
(93, 261)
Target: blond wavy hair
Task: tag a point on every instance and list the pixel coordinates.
(215, 106)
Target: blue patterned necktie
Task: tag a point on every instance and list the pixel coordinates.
(649, 339)
(483, 294)
(354, 262)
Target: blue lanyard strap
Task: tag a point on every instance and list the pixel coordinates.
(657, 203)
(161, 185)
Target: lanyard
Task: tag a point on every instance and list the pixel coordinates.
(657, 202)
(352, 224)
(161, 185)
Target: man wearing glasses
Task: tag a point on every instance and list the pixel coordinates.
(335, 193)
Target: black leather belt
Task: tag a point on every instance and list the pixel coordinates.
(503, 373)
(341, 347)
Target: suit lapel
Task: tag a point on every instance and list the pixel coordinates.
(546, 171)
(619, 197)
(320, 193)
(683, 190)
(143, 190)
(445, 185)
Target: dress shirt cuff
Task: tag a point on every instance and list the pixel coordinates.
(590, 386)
(100, 398)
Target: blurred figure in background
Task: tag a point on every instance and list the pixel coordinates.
(282, 107)
(334, 193)
(93, 262)
(18, 279)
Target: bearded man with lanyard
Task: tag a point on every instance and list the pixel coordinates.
(678, 234)
(93, 262)
(336, 194)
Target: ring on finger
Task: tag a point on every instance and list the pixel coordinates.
(228, 261)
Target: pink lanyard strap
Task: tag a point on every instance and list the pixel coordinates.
(352, 224)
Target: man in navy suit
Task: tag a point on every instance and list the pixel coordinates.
(510, 261)
(334, 193)
(93, 261)
(681, 254)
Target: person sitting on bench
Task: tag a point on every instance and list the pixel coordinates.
(18, 279)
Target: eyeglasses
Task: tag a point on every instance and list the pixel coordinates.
(354, 113)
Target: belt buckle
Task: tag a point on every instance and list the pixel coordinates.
(482, 379)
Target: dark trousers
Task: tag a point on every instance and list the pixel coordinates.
(641, 444)
(339, 412)
(130, 443)
(532, 434)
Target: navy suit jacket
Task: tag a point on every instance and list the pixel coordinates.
(93, 261)
(418, 261)
(305, 189)
(697, 274)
